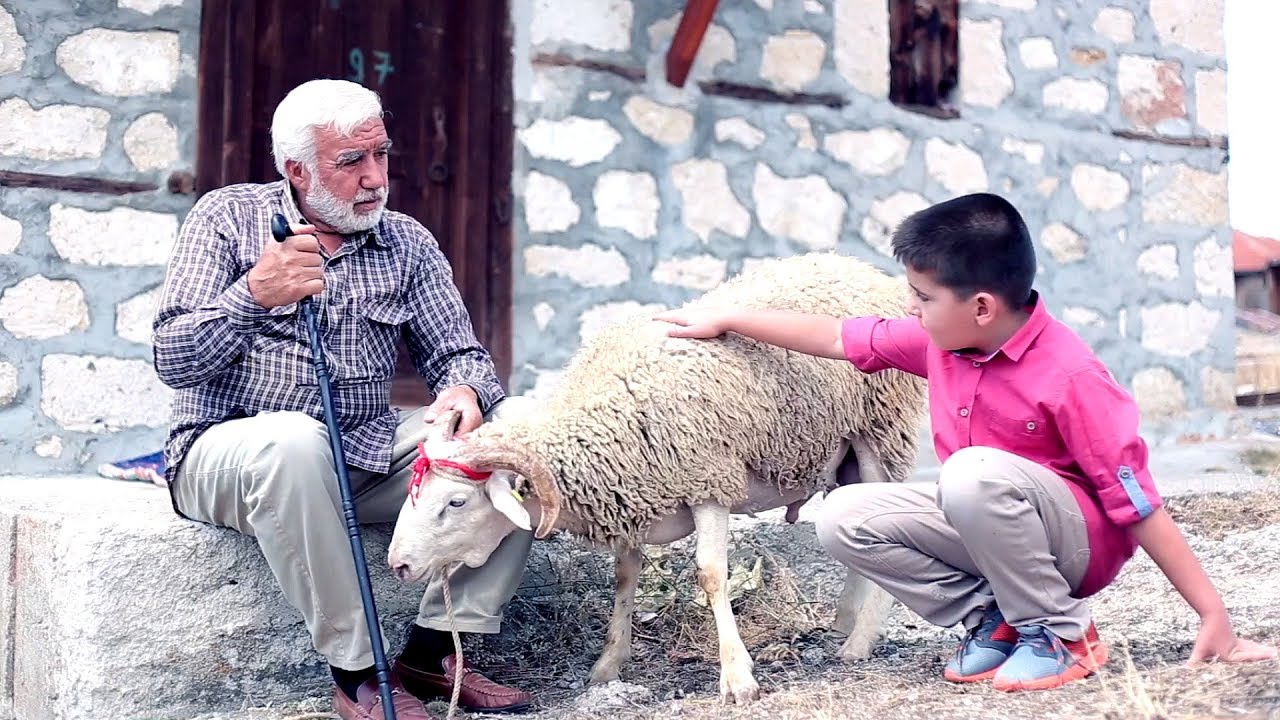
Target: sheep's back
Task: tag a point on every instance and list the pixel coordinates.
(667, 421)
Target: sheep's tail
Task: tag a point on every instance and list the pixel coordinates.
(498, 455)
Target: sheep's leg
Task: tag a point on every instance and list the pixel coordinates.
(860, 614)
(863, 605)
(617, 643)
(712, 523)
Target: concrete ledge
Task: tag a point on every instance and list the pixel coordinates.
(115, 607)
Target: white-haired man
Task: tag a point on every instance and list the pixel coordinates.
(248, 448)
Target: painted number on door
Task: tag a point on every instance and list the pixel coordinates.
(382, 67)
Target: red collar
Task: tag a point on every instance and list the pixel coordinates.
(423, 464)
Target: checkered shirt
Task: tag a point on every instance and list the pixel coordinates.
(227, 357)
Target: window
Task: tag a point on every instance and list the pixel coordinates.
(924, 55)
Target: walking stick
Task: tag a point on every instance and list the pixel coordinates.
(280, 230)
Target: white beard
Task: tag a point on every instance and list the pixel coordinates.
(342, 216)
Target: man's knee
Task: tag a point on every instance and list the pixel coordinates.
(292, 445)
(512, 406)
(971, 478)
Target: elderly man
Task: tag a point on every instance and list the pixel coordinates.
(248, 448)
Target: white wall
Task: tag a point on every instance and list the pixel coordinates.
(1253, 115)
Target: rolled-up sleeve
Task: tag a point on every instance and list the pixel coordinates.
(874, 343)
(1098, 421)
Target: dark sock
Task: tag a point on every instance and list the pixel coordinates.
(425, 648)
(349, 680)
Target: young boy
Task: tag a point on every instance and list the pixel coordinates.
(1044, 491)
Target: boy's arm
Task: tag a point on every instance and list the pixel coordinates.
(817, 335)
(1161, 539)
(870, 343)
(1098, 421)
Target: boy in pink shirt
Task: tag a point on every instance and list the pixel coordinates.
(1044, 491)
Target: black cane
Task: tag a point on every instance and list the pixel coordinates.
(280, 230)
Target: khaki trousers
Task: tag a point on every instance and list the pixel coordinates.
(271, 477)
(995, 529)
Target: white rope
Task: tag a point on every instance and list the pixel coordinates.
(457, 649)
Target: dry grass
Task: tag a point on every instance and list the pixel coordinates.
(784, 589)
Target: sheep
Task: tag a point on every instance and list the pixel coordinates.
(651, 438)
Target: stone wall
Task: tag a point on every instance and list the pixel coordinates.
(103, 90)
(636, 195)
(1102, 121)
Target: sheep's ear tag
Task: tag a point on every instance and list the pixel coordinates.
(505, 500)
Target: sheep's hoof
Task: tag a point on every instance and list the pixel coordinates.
(737, 686)
(603, 673)
(858, 646)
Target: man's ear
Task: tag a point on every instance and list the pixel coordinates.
(297, 175)
(503, 496)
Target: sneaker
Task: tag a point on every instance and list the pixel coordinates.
(983, 650)
(1042, 660)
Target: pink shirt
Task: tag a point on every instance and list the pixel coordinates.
(1045, 396)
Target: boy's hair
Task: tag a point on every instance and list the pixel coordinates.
(971, 244)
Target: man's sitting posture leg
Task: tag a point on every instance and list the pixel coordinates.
(271, 476)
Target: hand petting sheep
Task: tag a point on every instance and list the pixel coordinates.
(651, 438)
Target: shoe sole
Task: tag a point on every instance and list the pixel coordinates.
(1087, 665)
(977, 677)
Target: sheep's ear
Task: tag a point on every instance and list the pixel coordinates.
(503, 497)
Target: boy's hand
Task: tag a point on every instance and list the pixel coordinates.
(1216, 641)
(700, 324)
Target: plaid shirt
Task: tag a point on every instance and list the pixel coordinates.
(230, 358)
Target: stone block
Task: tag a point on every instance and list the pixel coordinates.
(67, 132)
(114, 607)
(13, 47)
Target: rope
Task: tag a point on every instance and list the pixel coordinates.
(457, 649)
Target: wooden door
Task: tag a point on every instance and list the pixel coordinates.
(443, 71)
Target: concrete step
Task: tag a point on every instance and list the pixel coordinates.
(113, 607)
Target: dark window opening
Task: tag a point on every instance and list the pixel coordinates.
(924, 55)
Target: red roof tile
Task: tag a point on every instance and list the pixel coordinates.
(1253, 253)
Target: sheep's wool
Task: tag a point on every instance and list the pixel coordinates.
(644, 423)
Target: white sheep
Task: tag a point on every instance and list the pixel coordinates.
(650, 438)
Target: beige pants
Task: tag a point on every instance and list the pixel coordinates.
(271, 477)
(995, 528)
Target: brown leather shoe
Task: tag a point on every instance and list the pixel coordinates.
(478, 693)
(368, 703)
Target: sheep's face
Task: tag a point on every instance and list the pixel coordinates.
(449, 519)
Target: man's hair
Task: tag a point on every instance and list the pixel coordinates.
(337, 104)
(973, 243)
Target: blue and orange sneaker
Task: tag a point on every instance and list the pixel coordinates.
(1042, 660)
(983, 650)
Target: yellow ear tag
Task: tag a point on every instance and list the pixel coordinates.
(516, 493)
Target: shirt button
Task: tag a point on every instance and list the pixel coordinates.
(1031, 426)
(964, 412)
(977, 364)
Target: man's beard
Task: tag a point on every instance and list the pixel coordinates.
(342, 216)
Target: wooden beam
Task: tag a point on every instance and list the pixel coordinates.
(688, 38)
(73, 183)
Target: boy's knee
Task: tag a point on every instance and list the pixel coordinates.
(970, 478)
(848, 519)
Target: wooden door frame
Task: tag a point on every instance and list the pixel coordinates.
(227, 28)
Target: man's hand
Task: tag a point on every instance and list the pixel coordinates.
(461, 398)
(1216, 641)
(288, 271)
(701, 324)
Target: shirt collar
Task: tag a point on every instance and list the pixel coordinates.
(291, 212)
(1016, 346)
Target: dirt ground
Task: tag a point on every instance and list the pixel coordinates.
(785, 590)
